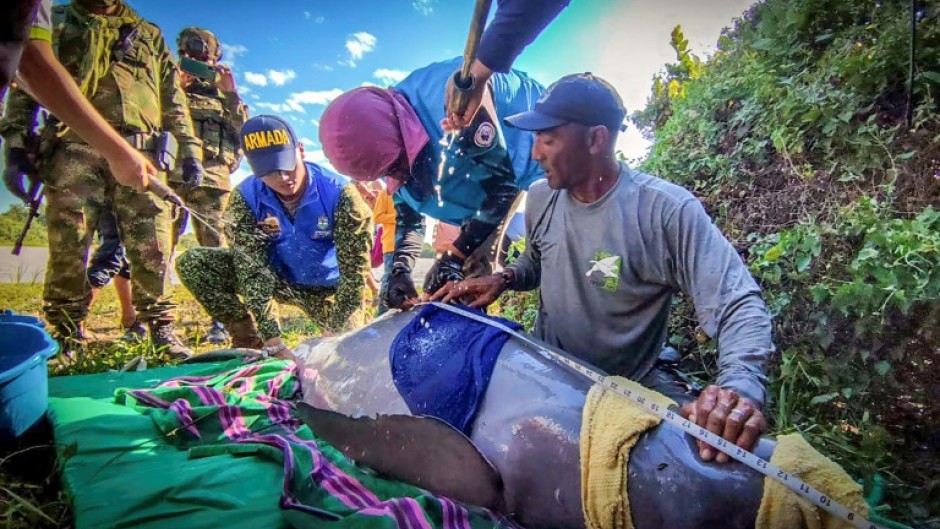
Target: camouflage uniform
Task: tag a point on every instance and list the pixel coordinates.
(218, 276)
(138, 92)
(217, 118)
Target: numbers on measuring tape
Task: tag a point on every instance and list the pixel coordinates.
(761, 463)
(670, 416)
(804, 488)
(823, 500)
(783, 475)
(654, 407)
(722, 443)
(641, 400)
(850, 516)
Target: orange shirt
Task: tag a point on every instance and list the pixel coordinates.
(384, 215)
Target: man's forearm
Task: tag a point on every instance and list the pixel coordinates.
(53, 87)
(353, 236)
(409, 235)
(744, 347)
(526, 273)
(515, 25)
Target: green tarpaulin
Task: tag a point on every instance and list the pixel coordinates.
(213, 451)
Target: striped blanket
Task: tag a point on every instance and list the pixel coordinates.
(247, 412)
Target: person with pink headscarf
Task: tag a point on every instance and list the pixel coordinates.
(469, 179)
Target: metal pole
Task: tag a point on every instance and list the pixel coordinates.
(910, 72)
(462, 79)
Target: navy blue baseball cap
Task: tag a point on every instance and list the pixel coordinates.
(270, 145)
(580, 98)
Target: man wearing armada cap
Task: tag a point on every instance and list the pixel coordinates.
(298, 234)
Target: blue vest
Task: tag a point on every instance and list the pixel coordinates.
(304, 253)
(487, 149)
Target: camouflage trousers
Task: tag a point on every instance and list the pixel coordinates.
(209, 203)
(79, 188)
(210, 274)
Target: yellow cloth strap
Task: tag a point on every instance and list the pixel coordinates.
(40, 33)
(611, 425)
(781, 508)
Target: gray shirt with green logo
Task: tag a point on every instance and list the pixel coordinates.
(611, 269)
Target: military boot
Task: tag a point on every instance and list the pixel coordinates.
(245, 334)
(163, 337)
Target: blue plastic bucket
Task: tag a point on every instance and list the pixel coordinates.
(8, 316)
(24, 378)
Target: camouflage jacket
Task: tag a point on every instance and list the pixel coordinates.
(217, 118)
(352, 234)
(137, 90)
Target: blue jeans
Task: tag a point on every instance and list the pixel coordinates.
(383, 289)
(109, 258)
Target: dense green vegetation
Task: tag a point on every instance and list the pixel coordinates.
(795, 136)
(11, 225)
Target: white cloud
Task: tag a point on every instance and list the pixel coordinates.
(358, 45)
(245, 90)
(298, 100)
(307, 15)
(324, 67)
(255, 97)
(274, 107)
(369, 83)
(281, 77)
(316, 156)
(257, 79)
(425, 7)
(275, 77)
(308, 143)
(320, 20)
(388, 77)
(232, 51)
(243, 172)
(315, 122)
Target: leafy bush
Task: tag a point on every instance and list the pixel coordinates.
(11, 225)
(794, 134)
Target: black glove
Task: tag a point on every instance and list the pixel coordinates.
(18, 166)
(192, 172)
(401, 288)
(448, 268)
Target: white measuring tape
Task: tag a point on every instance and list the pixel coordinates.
(764, 467)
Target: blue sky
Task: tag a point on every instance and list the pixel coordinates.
(291, 57)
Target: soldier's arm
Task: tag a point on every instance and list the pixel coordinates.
(235, 114)
(53, 87)
(252, 271)
(353, 236)
(409, 233)
(174, 105)
(19, 118)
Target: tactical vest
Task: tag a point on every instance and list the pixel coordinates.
(219, 142)
(482, 151)
(304, 253)
(128, 94)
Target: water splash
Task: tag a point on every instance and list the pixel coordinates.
(447, 141)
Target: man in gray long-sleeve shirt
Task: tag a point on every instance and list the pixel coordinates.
(614, 246)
